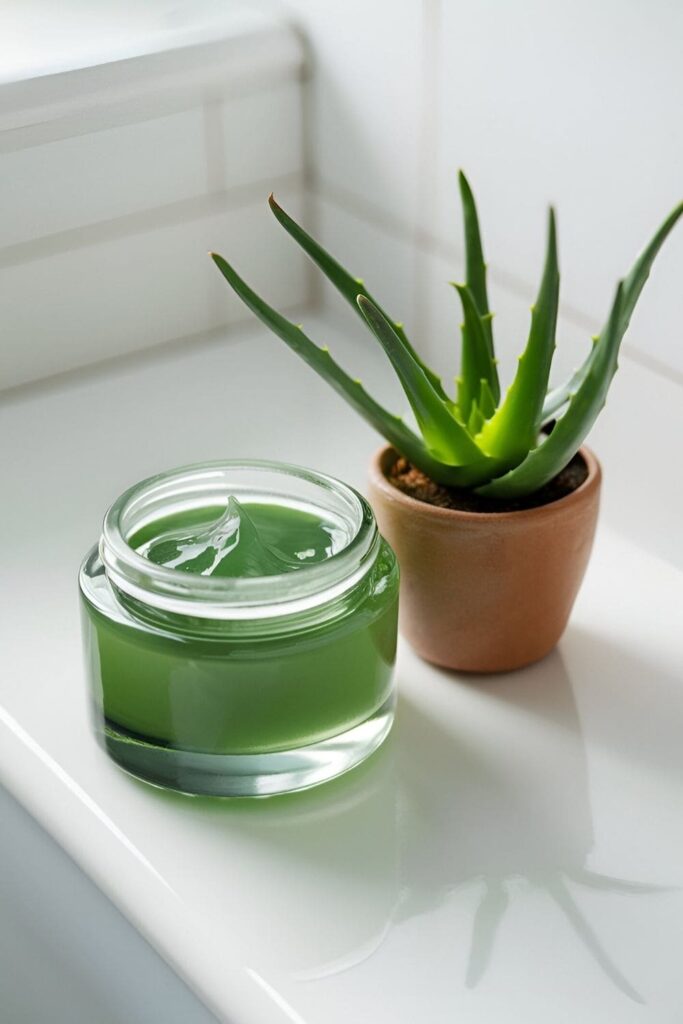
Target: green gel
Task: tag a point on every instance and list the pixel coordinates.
(169, 680)
(242, 541)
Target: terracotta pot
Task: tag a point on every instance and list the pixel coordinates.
(486, 591)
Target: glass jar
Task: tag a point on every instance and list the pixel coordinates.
(240, 686)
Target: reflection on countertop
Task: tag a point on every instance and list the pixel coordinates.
(497, 802)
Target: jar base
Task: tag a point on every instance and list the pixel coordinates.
(255, 775)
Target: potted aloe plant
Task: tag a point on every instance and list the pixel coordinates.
(492, 507)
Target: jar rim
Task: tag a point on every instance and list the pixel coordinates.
(278, 595)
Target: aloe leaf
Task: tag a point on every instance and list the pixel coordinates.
(476, 420)
(319, 359)
(513, 429)
(557, 449)
(633, 286)
(463, 399)
(556, 399)
(487, 403)
(476, 363)
(475, 269)
(348, 286)
(447, 439)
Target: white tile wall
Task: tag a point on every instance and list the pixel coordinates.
(385, 262)
(142, 289)
(262, 135)
(579, 104)
(104, 232)
(637, 438)
(572, 103)
(101, 175)
(367, 60)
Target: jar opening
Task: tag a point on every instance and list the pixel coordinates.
(189, 490)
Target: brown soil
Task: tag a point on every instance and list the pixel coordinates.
(417, 485)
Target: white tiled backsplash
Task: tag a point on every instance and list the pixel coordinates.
(108, 209)
(142, 288)
(577, 103)
(367, 96)
(101, 175)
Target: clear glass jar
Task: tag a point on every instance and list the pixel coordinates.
(240, 686)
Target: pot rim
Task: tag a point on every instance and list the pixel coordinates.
(581, 493)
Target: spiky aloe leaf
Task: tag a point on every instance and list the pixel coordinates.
(475, 270)
(476, 363)
(476, 419)
(319, 359)
(487, 402)
(556, 450)
(634, 283)
(513, 429)
(556, 399)
(348, 286)
(447, 439)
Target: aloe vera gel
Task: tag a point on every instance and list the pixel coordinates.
(240, 629)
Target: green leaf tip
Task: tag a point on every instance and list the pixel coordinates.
(348, 286)
(475, 280)
(463, 182)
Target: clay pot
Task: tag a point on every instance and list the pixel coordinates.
(486, 591)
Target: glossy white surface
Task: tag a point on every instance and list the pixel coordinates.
(514, 853)
(64, 948)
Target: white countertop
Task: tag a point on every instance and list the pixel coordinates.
(513, 853)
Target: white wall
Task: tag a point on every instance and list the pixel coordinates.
(576, 103)
(123, 167)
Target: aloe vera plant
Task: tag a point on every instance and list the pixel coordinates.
(498, 445)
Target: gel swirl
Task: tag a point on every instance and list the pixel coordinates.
(243, 541)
